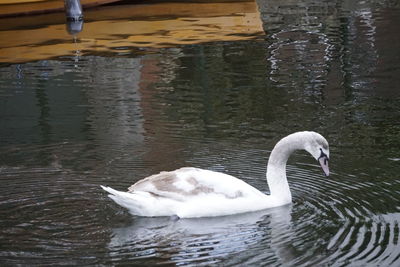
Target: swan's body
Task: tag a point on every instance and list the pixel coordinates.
(193, 192)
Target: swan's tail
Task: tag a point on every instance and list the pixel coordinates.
(126, 200)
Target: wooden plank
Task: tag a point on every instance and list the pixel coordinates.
(27, 7)
(12, 2)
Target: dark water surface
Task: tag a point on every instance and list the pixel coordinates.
(69, 124)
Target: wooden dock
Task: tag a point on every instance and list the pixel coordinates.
(13, 8)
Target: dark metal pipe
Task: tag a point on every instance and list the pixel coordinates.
(74, 27)
(73, 10)
(74, 15)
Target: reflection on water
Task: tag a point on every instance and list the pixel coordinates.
(122, 29)
(201, 240)
(72, 123)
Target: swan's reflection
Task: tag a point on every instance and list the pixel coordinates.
(261, 235)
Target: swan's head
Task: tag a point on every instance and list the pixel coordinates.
(318, 147)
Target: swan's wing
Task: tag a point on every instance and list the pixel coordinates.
(185, 183)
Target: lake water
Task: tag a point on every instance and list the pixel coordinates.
(211, 85)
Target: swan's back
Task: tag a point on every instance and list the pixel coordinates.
(188, 192)
(189, 182)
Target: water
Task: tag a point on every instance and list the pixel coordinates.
(72, 120)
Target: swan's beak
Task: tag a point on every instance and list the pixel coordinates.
(323, 161)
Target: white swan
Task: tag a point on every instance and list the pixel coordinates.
(192, 192)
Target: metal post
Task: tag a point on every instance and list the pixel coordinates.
(73, 10)
(74, 15)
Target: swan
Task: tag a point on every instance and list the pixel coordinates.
(192, 192)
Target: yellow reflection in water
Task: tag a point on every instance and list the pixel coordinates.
(126, 27)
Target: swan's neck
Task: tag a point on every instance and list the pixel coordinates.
(276, 169)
